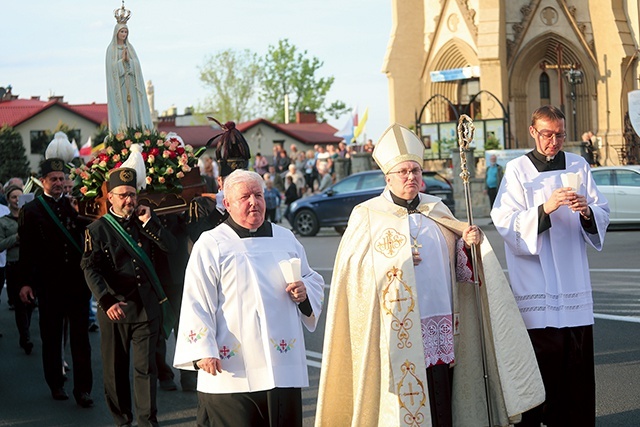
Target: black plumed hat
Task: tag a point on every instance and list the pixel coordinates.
(232, 150)
(52, 165)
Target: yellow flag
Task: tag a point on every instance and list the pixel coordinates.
(361, 123)
(98, 148)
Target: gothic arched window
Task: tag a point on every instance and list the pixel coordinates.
(544, 86)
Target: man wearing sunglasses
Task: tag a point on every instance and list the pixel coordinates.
(123, 252)
(548, 210)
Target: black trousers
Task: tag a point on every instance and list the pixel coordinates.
(22, 311)
(53, 311)
(492, 192)
(278, 407)
(440, 385)
(118, 342)
(565, 358)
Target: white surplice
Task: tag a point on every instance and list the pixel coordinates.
(235, 308)
(549, 272)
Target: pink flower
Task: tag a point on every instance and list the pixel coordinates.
(120, 137)
(147, 132)
(147, 143)
(186, 168)
(137, 135)
(124, 152)
(167, 144)
(179, 175)
(151, 171)
(161, 180)
(84, 189)
(160, 143)
(116, 157)
(110, 150)
(128, 143)
(188, 148)
(151, 159)
(169, 171)
(103, 164)
(84, 175)
(148, 180)
(165, 154)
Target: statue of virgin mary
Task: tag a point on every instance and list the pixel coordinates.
(126, 97)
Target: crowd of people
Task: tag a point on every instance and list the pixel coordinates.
(412, 287)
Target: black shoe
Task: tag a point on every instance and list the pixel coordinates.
(59, 394)
(168, 385)
(27, 346)
(84, 399)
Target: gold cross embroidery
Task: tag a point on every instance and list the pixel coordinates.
(411, 393)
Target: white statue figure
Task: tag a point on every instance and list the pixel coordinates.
(126, 97)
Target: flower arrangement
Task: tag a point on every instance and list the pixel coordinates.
(166, 158)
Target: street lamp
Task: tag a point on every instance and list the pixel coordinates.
(575, 78)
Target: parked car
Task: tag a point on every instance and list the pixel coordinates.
(332, 207)
(621, 186)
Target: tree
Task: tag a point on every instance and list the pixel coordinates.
(290, 72)
(233, 78)
(14, 159)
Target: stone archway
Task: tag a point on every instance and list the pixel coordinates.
(524, 87)
(453, 54)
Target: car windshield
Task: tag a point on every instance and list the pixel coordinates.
(359, 182)
(435, 181)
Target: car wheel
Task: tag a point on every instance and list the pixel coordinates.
(306, 223)
(340, 229)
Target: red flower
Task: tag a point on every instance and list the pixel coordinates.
(103, 157)
(90, 163)
(145, 155)
(155, 151)
(172, 154)
(180, 150)
(117, 165)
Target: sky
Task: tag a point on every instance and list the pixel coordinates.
(58, 48)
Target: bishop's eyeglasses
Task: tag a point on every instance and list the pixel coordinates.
(404, 173)
(548, 136)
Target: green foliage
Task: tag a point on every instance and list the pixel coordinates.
(492, 143)
(13, 157)
(288, 71)
(233, 78)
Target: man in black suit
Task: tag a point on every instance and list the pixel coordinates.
(50, 251)
(122, 251)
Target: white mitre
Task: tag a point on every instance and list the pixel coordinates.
(396, 145)
(136, 162)
(60, 148)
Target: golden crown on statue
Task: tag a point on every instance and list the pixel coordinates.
(122, 15)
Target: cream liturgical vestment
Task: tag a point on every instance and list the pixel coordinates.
(373, 363)
(235, 308)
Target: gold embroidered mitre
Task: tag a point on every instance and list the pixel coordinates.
(396, 145)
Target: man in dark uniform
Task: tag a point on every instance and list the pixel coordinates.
(122, 250)
(50, 251)
(176, 224)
